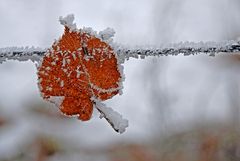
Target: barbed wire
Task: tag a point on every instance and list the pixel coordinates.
(186, 48)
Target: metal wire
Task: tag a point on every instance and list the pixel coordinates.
(187, 48)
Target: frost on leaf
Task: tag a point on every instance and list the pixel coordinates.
(77, 68)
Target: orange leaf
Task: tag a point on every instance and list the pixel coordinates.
(77, 68)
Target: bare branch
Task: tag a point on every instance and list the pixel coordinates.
(187, 48)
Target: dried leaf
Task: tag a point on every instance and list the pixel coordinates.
(77, 68)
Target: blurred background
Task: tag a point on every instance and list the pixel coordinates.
(179, 108)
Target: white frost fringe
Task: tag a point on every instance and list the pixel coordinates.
(68, 21)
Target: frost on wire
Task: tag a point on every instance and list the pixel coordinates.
(124, 53)
(21, 54)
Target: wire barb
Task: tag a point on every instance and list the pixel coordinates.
(187, 48)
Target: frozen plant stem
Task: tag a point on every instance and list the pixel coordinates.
(118, 123)
(187, 48)
(102, 115)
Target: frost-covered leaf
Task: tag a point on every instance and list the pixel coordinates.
(79, 66)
